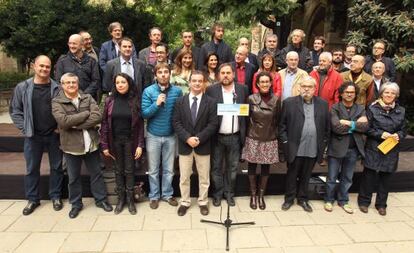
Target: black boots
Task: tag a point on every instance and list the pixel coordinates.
(121, 201)
(253, 191)
(130, 200)
(263, 185)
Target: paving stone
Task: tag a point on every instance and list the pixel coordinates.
(290, 217)
(42, 243)
(396, 214)
(306, 249)
(287, 236)
(407, 198)
(134, 241)
(185, 239)
(118, 223)
(166, 221)
(85, 242)
(337, 216)
(9, 241)
(398, 231)
(371, 217)
(5, 204)
(33, 224)
(261, 219)
(6, 221)
(325, 235)
(215, 216)
(240, 237)
(15, 209)
(261, 250)
(365, 232)
(209, 251)
(80, 224)
(395, 247)
(355, 248)
(408, 210)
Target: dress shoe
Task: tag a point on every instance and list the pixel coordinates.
(305, 205)
(182, 210)
(382, 211)
(105, 206)
(216, 201)
(57, 204)
(363, 209)
(231, 202)
(154, 204)
(204, 210)
(30, 207)
(286, 205)
(172, 201)
(74, 212)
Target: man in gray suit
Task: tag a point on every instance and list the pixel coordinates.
(125, 63)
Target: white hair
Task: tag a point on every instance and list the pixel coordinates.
(390, 85)
(292, 53)
(327, 55)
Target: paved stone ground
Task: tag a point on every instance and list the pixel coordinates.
(162, 230)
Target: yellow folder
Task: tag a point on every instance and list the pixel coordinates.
(387, 145)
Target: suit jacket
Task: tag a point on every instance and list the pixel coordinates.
(108, 52)
(373, 91)
(339, 141)
(248, 75)
(198, 64)
(242, 92)
(113, 67)
(363, 82)
(204, 128)
(253, 60)
(300, 75)
(291, 125)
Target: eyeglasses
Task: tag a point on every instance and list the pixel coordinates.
(380, 48)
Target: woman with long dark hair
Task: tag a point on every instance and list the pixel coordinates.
(211, 68)
(261, 143)
(122, 137)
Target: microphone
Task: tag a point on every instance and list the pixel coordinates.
(234, 96)
(163, 91)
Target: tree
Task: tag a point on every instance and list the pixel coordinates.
(393, 23)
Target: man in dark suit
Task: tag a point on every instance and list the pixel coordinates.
(243, 71)
(110, 49)
(124, 64)
(304, 132)
(195, 121)
(187, 37)
(378, 79)
(217, 45)
(231, 134)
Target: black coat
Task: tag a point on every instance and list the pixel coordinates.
(253, 60)
(222, 50)
(113, 68)
(205, 126)
(305, 61)
(339, 141)
(248, 74)
(215, 92)
(379, 122)
(291, 125)
(390, 71)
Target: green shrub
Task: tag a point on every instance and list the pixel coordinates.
(9, 79)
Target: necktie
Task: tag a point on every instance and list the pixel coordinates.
(128, 69)
(194, 110)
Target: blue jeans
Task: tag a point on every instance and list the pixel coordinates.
(92, 163)
(224, 180)
(345, 166)
(163, 147)
(33, 152)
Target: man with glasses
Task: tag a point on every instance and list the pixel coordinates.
(304, 132)
(378, 55)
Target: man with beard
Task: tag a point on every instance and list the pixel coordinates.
(304, 132)
(378, 51)
(327, 79)
(217, 45)
(296, 39)
(230, 138)
(357, 75)
(81, 64)
(88, 48)
(338, 60)
(271, 48)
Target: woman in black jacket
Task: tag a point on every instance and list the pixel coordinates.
(261, 143)
(386, 120)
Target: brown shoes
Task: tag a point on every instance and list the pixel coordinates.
(204, 210)
(182, 210)
(363, 209)
(172, 201)
(382, 211)
(154, 204)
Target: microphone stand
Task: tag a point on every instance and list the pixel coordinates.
(228, 222)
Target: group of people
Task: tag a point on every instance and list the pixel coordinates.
(303, 104)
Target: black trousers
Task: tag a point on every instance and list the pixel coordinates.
(264, 169)
(370, 178)
(124, 163)
(297, 178)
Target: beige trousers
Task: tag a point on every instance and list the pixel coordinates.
(203, 170)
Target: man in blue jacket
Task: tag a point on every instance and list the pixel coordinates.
(31, 112)
(158, 102)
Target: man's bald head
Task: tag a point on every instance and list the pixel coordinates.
(357, 63)
(75, 44)
(243, 41)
